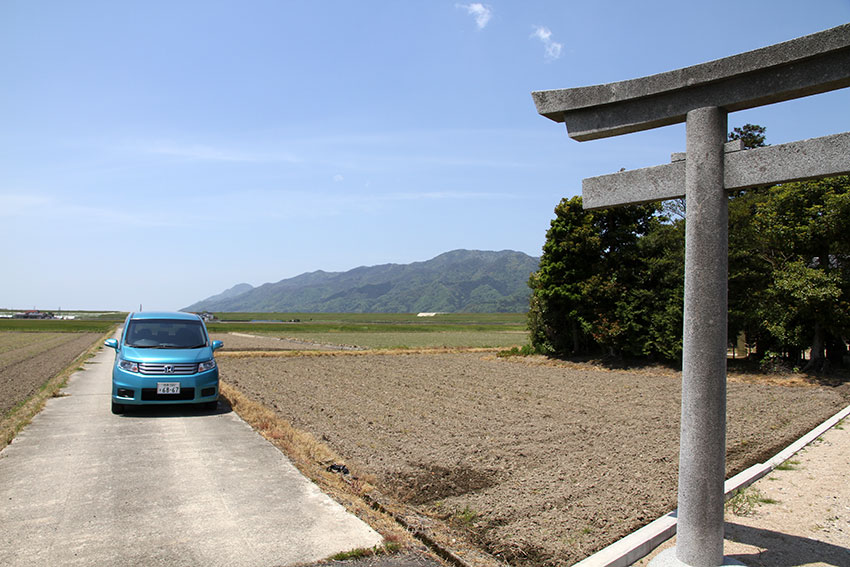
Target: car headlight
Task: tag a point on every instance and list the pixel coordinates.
(128, 365)
(208, 365)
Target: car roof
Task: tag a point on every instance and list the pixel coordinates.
(164, 315)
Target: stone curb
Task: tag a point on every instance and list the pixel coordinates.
(640, 543)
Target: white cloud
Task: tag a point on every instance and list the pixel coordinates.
(553, 48)
(338, 177)
(479, 11)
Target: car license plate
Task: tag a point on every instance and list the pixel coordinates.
(168, 387)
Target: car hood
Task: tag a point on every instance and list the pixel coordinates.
(177, 355)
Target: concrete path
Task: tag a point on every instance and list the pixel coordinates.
(80, 486)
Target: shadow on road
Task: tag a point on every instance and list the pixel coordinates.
(175, 410)
(784, 550)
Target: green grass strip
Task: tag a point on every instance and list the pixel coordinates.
(55, 326)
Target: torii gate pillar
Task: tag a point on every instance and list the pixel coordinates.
(702, 446)
(702, 96)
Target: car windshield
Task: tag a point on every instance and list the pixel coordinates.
(165, 333)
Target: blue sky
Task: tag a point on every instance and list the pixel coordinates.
(159, 152)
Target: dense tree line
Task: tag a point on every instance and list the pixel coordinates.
(611, 281)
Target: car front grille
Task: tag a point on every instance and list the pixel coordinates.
(168, 369)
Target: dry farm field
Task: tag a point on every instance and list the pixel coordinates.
(29, 359)
(537, 462)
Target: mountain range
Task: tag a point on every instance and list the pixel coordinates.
(460, 281)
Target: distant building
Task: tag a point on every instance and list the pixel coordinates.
(33, 314)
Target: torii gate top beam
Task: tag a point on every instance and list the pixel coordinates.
(797, 68)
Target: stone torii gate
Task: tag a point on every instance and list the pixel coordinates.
(702, 96)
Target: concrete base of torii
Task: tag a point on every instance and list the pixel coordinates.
(667, 558)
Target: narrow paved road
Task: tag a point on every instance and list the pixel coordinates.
(80, 486)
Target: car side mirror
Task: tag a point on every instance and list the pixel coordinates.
(111, 343)
(217, 345)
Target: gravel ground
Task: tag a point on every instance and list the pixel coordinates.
(539, 463)
(28, 360)
(804, 517)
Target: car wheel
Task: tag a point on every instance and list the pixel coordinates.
(117, 408)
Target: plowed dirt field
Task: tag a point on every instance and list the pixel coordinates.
(28, 360)
(538, 463)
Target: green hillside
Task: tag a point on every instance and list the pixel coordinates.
(461, 281)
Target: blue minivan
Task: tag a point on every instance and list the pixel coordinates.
(164, 358)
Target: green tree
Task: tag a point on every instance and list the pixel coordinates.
(800, 230)
(751, 134)
(613, 280)
(659, 293)
(749, 273)
(590, 261)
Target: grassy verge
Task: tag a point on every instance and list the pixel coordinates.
(363, 552)
(21, 415)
